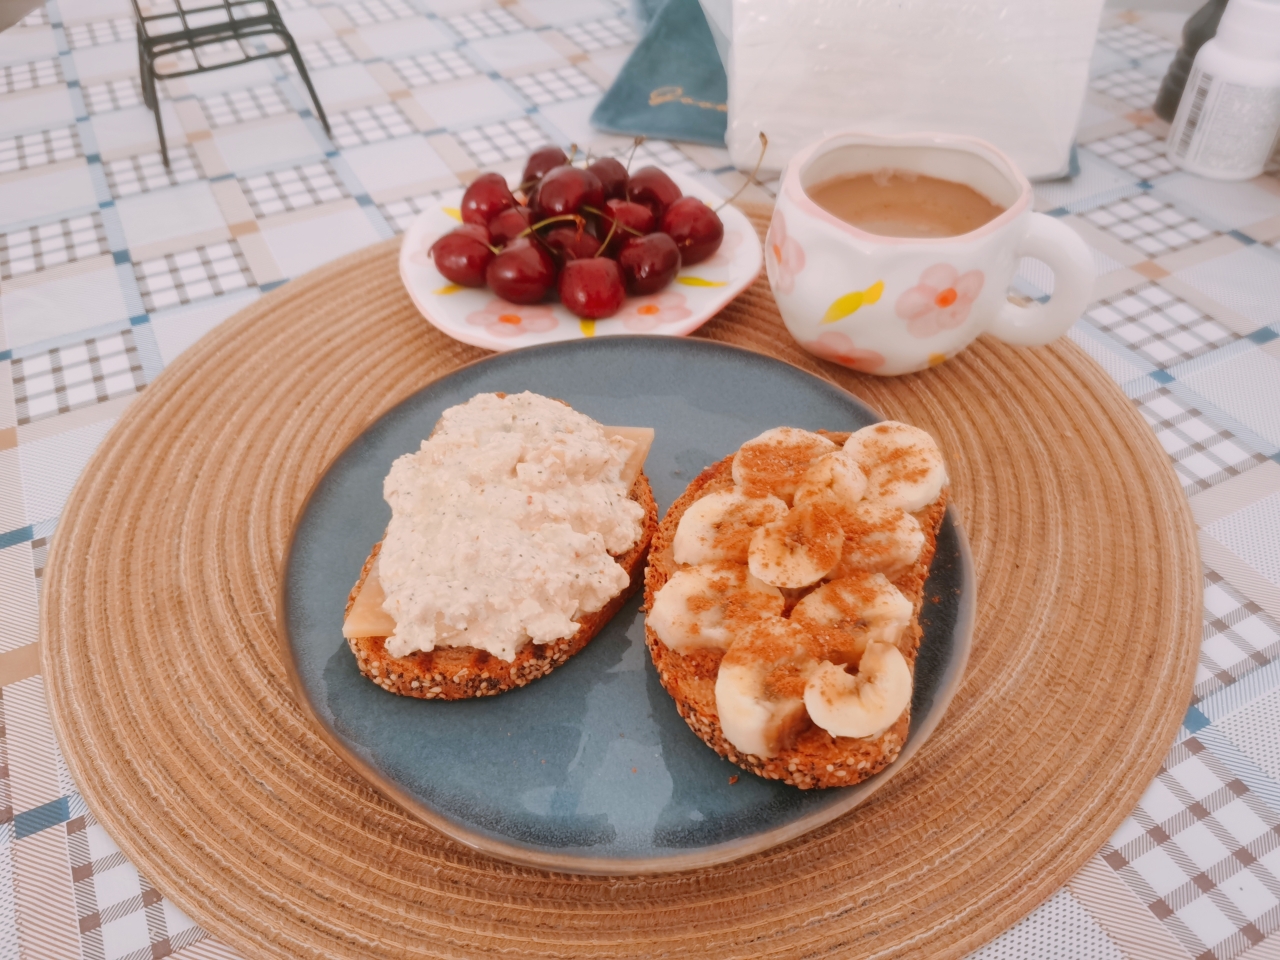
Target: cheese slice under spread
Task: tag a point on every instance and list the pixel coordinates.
(368, 619)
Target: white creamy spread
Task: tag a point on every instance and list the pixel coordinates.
(504, 527)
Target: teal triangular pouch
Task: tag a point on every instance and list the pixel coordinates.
(673, 86)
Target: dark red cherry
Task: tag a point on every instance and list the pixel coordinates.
(539, 162)
(695, 228)
(522, 273)
(487, 197)
(508, 225)
(612, 176)
(463, 255)
(648, 263)
(654, 189)
(566, 190)
(592, 288)
(569, 243)
(633, 219)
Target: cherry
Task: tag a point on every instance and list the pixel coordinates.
(654, 189)
(487, 196)
(539, 162)
(612, 176)
(508, 225)
(648, 263)
(633, 218)
(592, 288)
(566, 190)
(522, 273)
(569, 243)
(695, 228)
(463, 255)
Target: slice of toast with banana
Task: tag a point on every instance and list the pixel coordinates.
(784, 590)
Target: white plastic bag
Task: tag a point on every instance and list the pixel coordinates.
(1013, 73)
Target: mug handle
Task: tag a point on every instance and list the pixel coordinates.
(1068, 256)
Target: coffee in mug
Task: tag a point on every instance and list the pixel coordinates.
(890, 254)
(902, 203)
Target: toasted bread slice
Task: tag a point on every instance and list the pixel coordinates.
(816, 758)
(457, 673)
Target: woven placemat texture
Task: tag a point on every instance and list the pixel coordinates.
(175, 715)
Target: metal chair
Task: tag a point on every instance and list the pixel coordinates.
(228, 32)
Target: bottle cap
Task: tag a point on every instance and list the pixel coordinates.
(1251, 28)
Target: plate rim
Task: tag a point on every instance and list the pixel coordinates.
(730, 291)
(707, 856)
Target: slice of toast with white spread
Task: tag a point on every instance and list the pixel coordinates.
(517, 533)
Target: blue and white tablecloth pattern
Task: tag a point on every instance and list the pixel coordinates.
(111, 265)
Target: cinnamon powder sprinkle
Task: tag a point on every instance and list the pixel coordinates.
(809, 528)
(872, 537)
(785, 682)
(774, 640)
(898, 464)
(732, 534)
(772, 467)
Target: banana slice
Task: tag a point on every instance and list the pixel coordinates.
(797, 550)
(705, 606)
(833, 481)
(773, 462)
(719, 526)
(903, 463)
(761, 683)
(849, 614)
(864, 704)
(879, 538)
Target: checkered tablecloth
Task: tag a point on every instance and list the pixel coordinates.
(111, 265)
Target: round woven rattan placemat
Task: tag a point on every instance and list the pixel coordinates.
(175, 715)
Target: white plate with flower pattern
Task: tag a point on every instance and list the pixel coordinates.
(479, 317)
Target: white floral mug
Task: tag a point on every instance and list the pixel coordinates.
(891, 305)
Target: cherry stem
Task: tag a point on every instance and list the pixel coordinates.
(764, 145)
(608, 236)
(600, 213)
(561, 218)
(635, 145)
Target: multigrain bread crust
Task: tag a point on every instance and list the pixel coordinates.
(817, 759)
(458, 673)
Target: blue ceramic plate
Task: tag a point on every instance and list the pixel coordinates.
(589, 769)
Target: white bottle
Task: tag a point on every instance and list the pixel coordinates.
(1229, 115)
